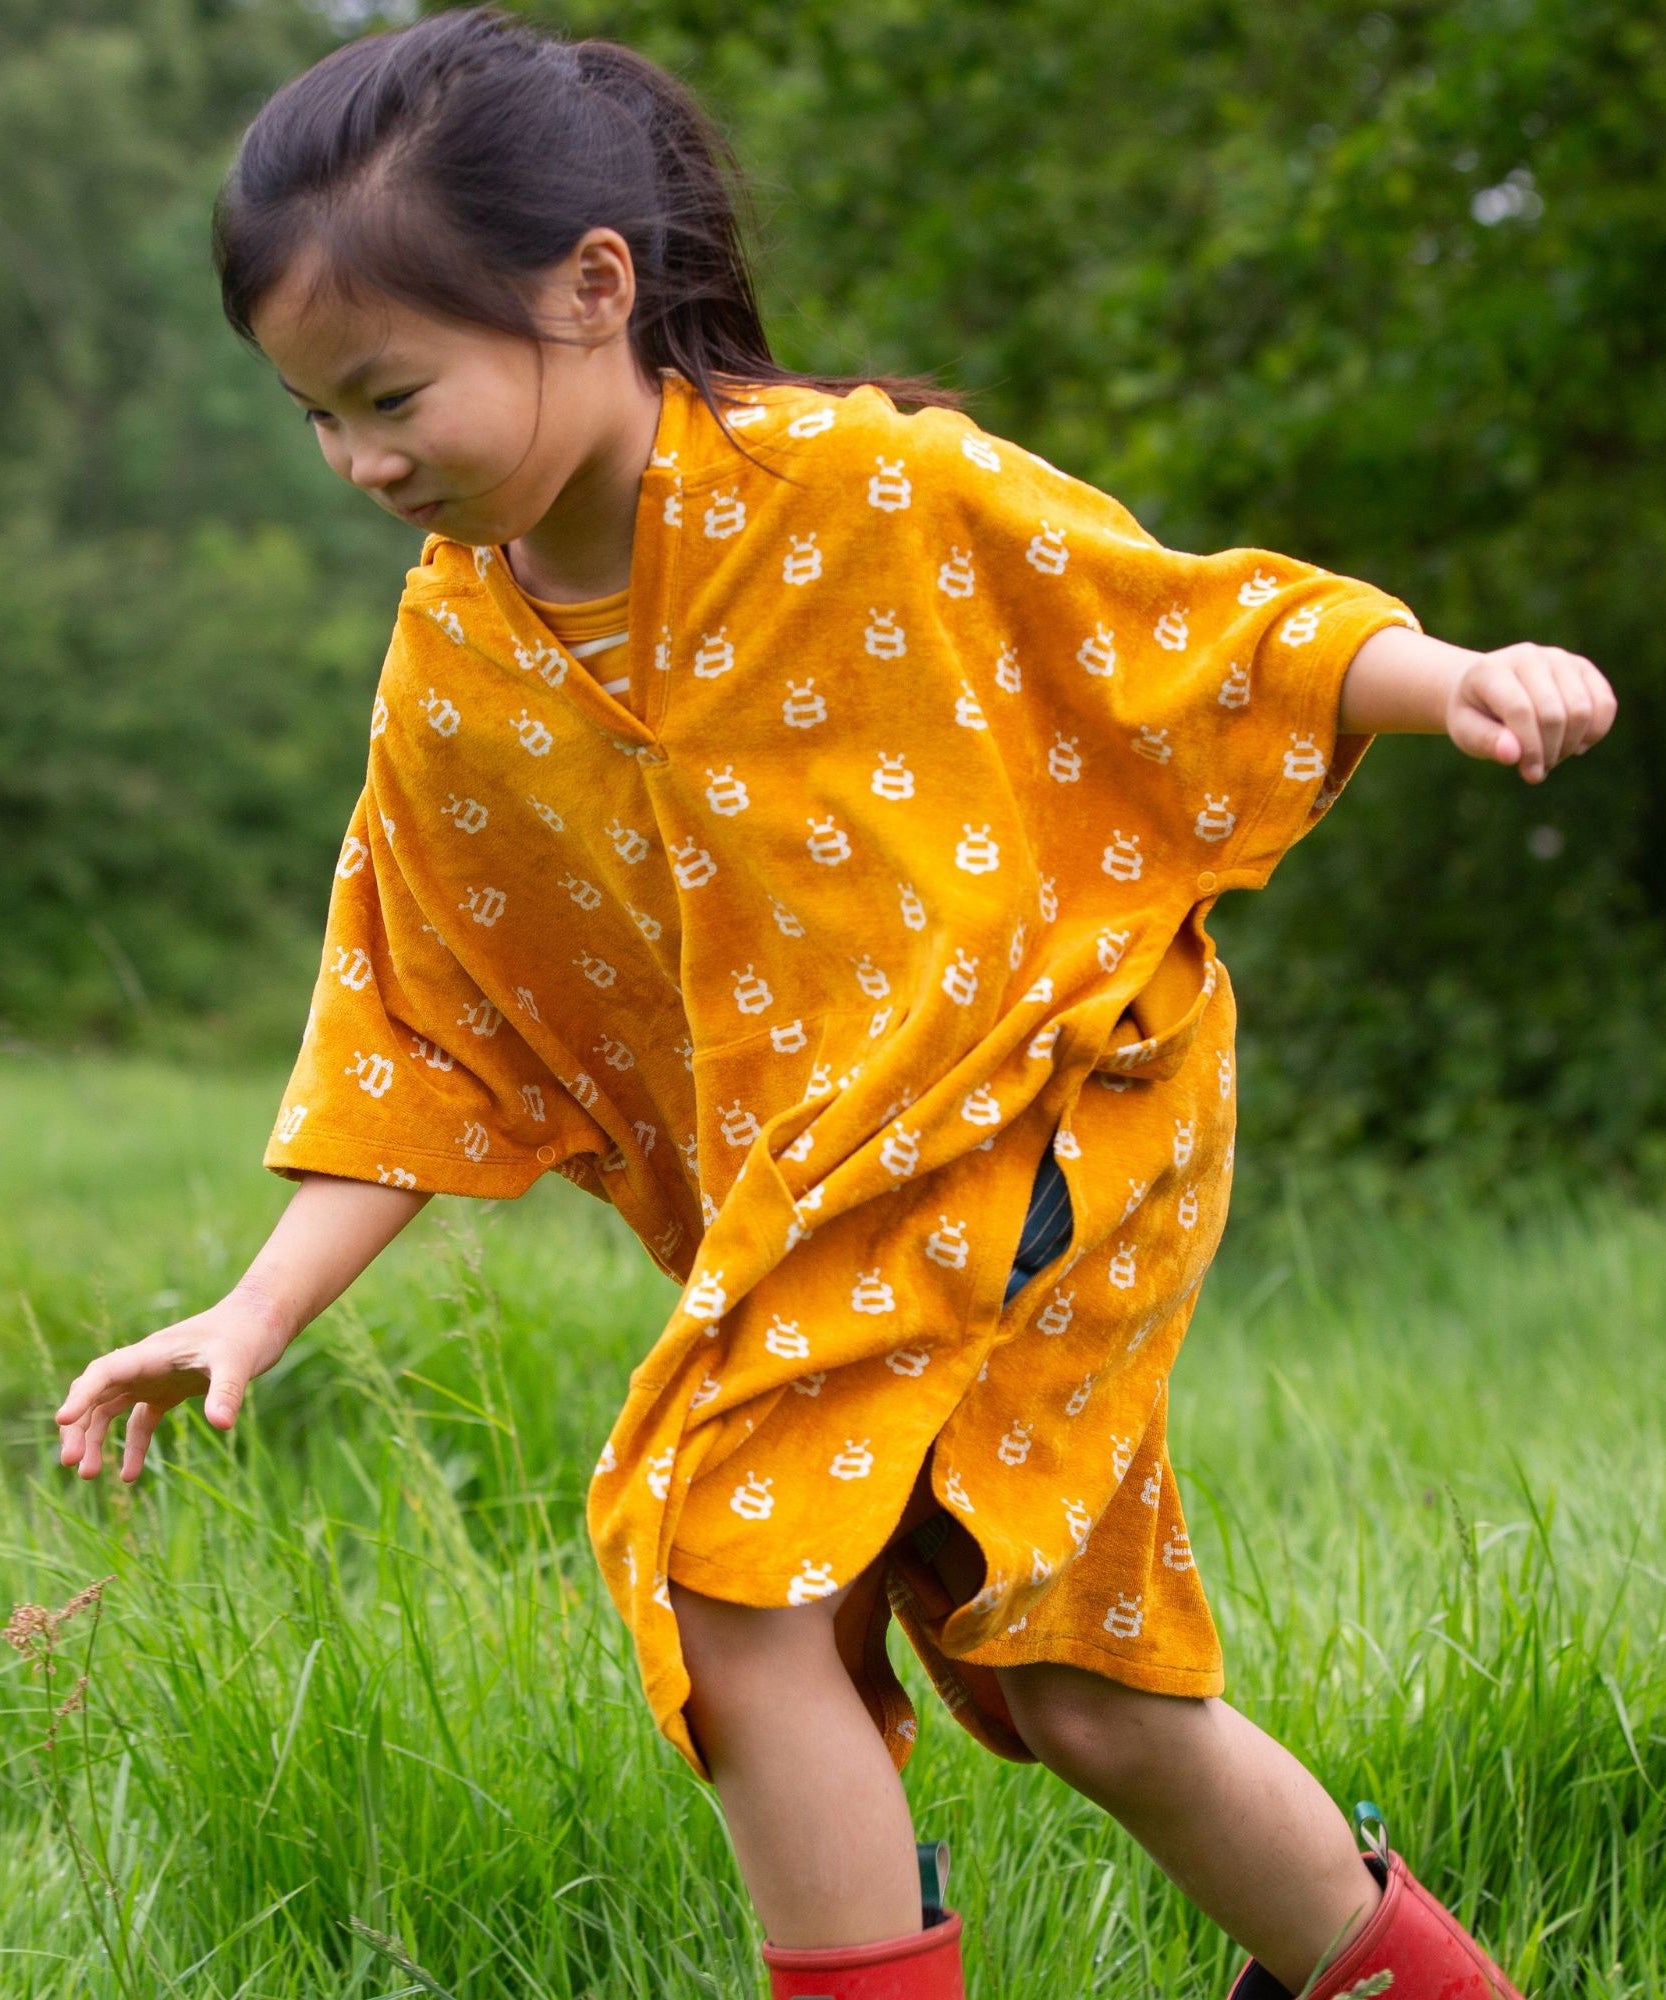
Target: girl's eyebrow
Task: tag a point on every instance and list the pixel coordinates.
(351, 379)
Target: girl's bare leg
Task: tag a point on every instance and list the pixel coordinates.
(1229, 1815)
(815, 1809)
(1233, 1819)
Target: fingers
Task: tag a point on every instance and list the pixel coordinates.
(1575, 704)
(160, 1371)
(84, 1442)
(1505, 696)
(141, 1428)
(1533, 706)
(1538, 677)
(97, 1380)
(224, 1400)
(1592, 700)
(1576, 695)
(1479, 733)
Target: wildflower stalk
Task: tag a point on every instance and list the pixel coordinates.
(33, 1631)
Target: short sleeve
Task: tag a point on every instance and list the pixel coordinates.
(1241, 673)
(1192, 700)
(1277, 641)
(407, 1073)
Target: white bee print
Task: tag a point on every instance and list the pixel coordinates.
(892, 778)
(1047, 551)
(1171, 630)
(828, 843)
(374, 1072)
(1123, 860)
(812, 1581)
(883, 636)
(1304, 759)
(1015, 1444)
(956, 577)
(716, 655)
(467, 815)
(725, 516)
(752, 1499)
(726, 794)
(1126, 1617)
(802, 709)
(812, 423)
(889, 489)
(871, 1293)
(803, 561)
(443, 714)
(535, 738)
(976, 853)
(1299, 628)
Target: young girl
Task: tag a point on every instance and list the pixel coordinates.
(794, 821)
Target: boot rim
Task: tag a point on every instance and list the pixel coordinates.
(943, 1936)
(1400, 1886)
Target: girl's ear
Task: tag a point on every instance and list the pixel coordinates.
(600, 282)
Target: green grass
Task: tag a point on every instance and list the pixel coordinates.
(354, 1680)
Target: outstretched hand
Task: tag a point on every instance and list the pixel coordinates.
(1529, 705)
(214, 1353)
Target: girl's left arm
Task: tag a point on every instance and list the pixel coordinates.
(1527, 705)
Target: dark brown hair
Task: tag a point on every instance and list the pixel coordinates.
(449, 163)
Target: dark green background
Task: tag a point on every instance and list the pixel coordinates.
(1379, 287)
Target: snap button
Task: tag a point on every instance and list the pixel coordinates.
(547, 1155)
(1206, 881)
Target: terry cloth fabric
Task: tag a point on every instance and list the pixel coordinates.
(896, 864)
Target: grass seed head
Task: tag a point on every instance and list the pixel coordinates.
(33, 1629)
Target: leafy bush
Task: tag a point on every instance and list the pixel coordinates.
(1374, 286)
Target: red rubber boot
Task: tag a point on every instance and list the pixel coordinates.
(923, 1965)
(1417, 1949)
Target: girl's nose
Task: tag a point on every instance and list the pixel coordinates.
(377, 471)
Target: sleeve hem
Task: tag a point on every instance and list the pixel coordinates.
(1266, 833)
(394, 1165)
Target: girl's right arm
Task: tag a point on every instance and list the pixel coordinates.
(331, 1230)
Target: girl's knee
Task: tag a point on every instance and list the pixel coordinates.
(748, 1664)
(1079, 1724)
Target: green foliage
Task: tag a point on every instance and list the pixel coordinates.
(1376, 286)
(355, 1676)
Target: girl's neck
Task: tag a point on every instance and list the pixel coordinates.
(582, 547)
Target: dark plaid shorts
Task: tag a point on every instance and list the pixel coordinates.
(1047, 1226)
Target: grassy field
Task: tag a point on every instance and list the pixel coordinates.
(360, 1721)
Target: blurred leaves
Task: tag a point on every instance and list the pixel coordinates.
(1378, 286)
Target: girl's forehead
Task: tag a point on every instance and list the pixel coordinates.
(332, 338)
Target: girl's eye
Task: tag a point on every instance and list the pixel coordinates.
(315, 416)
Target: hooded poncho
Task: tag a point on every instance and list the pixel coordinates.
(891, 871)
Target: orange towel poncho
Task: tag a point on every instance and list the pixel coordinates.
(896, 860)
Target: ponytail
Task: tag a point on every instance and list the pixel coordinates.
(450, 163)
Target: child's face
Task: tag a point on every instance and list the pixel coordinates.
(460, 414)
